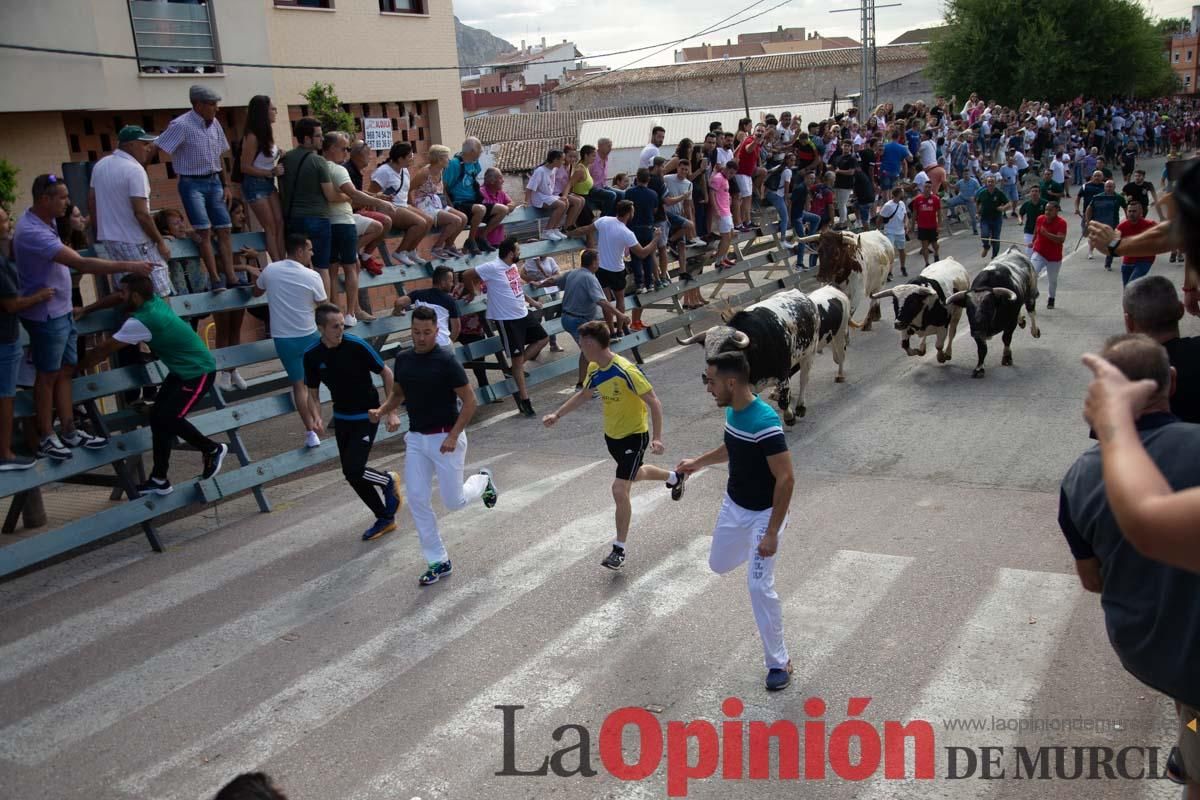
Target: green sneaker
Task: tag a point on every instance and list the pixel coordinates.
(435, 573)
(490, 494)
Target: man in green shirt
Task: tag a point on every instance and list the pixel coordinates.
(1051, 189)
(1031, 209)
(992, 203)
(190, 372)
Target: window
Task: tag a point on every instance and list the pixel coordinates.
(1176, 52)
(402, 6)
(173, 37)
(305, 3)
(1189, 55)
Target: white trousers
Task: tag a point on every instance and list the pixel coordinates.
(422, 460)
(735, 541)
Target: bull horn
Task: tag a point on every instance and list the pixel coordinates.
(805, 239)
(885, 293)
(956, 299)
(855, 325)
(697, 338)
(740, 340)
(1007, 294)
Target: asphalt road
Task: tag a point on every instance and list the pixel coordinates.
(922, 568)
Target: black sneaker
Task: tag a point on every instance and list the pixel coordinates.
(155, 486)
(615, 559)
(1050, 303)
(526, 408)
(16, 463)
(435, 573)
(904, 272)
(53, 449)
(213, 461)
(490, 494)
(677, 487)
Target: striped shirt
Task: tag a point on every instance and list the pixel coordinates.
(751, 435)
(196, 147)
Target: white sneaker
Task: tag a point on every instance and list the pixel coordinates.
(558, 233)
(405, 258)
(548, 235)
(238, 380)
(311, 439)
(350, 321)
(697, 242)
(224, 382)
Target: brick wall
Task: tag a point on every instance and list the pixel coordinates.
(725, 91)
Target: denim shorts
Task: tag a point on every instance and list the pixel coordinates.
(11, 355)
(571, 323)
(343, 246)
(290, 350)
(256, 187)
(319, 232)
(52, 342)
(204, 202)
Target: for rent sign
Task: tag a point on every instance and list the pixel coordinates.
(377, 133)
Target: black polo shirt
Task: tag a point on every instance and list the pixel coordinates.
(346, 371)
(428, 381)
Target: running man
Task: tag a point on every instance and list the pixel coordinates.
(755, 509)
(627, 396)
(433, 387)
(345, 364)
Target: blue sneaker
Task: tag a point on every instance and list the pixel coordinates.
(779, 678)
(437, 570)
(381, 526)
(391, 496)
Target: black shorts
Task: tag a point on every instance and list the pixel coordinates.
(517, 334)
(927, 234)
(466, 206)
(628, 453)
(612, 280)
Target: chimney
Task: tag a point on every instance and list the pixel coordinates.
(1195, 20)
(522, 45)
(543, 42)
(779, 29)
(729, 42)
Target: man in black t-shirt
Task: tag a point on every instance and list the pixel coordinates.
(438, 298)
(1152, 307)
(432, 385)
(346, 364)
(1141, 190)
(1129, 154)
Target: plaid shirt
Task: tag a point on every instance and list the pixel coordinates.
(195, 147)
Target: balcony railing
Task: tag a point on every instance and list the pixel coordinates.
(174, 37)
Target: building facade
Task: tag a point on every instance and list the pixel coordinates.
(1183, 51)
(58, 108)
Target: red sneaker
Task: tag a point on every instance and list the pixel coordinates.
(637, 325)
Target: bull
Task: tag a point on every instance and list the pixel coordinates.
(921, 308)
(995, 301)
(833, 308)
(779, 337)
(858, 264)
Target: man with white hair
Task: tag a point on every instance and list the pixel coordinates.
(601, 192)
(461, 179)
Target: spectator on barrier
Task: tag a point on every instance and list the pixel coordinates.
(643, 224)
(259, 164)
(582, 297)
(250, 786)
(562, 187)
(190, 375)
(540, 194)
(391, 181)
(119, 199)
(602, 194)
(1152, 307)
(615, 236)
(493, 192)
(11, 351)
(72, 228)
(677, 206)
(803, 221)
(658, 135)
(43, 261)
(197, 145)
(1151, 608)
(461, 178)
(426, 196)
(722, 212)
(187, 274)
(621, 182)
(372, 220)
(746, 157)
(439, 298)
(293, 291)
(306, 192)
(542, 272)
(471, 331)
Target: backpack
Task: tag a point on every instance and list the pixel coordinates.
(774, 178)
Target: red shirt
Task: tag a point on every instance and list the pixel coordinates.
(1128, 228)
(747, 156)
(926, 209)
(1051, 251)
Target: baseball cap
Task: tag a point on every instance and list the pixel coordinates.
(134, 133)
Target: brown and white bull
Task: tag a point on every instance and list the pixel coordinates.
(779, 337)
(921, 308)
(858, 264)
(833, 308)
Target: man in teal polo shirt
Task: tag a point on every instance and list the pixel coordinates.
(191, 369)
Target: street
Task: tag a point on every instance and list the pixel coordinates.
(922, 568)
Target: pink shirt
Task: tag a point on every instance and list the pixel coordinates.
(720, 193)
(599, 170)
(498, 196)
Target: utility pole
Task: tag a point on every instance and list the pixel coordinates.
(868, 73)
(745, 95)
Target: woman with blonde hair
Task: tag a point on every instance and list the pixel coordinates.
(426, 197)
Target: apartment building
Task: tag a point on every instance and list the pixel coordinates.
(64, 108)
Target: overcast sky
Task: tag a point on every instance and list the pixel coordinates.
(606, 27)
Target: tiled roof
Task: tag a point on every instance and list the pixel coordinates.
(562, 125)
(780, 62)
(526, 155)
(917, 35)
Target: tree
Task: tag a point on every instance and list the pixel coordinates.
(1171, 25)
(1010, 50)
(8, 185)
(323, 103)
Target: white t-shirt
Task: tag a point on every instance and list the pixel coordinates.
(395, 184)
(1058, 171)
(293, 291)
(1019, 160)
(724, 156)
(784, 177)
(117, 178)
(927, 152)
(132, 331)
(541, 268)
(921, 179)
(895, 225)
(649, 153)
(786, 135)
(613, 239)
(505, 293)
(339, 213)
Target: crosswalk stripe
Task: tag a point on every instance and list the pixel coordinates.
(322, 694)
(557, 674)
(44, 734)
(88, 627)
(1024, 613)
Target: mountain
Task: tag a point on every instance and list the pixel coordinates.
(477, 46)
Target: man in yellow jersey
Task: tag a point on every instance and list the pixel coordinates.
(627, 396)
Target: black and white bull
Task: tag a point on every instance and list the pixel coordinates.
(995, 301)
(921, 308)
(833, 308)
(858, 264)
(779, 337)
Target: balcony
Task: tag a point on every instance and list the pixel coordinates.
(174, 37)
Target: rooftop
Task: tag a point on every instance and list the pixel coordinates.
(918, 35)
(546, 125)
